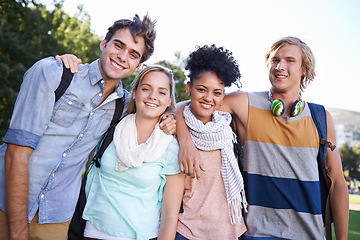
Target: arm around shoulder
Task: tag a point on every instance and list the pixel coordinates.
(237, 104)
(190, 161)
(339, 197)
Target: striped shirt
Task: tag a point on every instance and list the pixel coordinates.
(281, 174)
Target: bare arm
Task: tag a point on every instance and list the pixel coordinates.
(190, 161)
(70, 61)
(17, 186)
(339, 197)
(173, 193)
(237, 104)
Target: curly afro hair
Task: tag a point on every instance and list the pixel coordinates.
(214, 59)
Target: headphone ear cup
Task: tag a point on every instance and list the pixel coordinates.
(277, 107)
(296, 108)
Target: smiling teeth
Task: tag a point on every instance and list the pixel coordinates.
(116, 65)
(150, 104)
(206, 105)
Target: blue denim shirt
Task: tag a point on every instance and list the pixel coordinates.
(62, 134)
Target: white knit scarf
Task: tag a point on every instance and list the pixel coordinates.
(129, 152)
(217, 134)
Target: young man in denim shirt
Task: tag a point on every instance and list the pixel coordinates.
(47, 143)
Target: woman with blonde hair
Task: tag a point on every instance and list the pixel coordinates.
(137, 191)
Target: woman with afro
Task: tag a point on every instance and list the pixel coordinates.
(212, 204)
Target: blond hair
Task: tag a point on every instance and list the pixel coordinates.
(137, 81)
(308, 58)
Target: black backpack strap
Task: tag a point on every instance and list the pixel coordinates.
(107, 137)
(64, 83)
(238, 149)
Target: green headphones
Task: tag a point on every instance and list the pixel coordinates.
(278, 106)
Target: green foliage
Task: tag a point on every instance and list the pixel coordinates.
(126, 82)
(29, 32)
(350, 160)
(74, 35)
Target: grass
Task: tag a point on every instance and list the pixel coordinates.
(354, 220)
(354, 226)
(354, 198)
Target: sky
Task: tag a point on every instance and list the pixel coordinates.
(248, 28)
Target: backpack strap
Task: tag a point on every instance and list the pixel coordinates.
(107, 137)
(238, 149)
(318, 115)
(64, 83)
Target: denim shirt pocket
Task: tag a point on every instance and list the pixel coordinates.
(66, 111)
(103, 123)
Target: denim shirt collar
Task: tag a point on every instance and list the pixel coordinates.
(96, 77)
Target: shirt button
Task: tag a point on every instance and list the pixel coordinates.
(64, 154)
(100, 94)
(102, 81)
(42, 196)
(91, 113)
(53, 174)
(69, 102)
(81, 135)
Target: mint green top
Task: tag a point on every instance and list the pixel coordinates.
(127, 204)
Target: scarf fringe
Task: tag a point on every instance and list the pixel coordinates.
(235, 207)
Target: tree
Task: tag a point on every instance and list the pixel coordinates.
(350, 160)
(29, 32)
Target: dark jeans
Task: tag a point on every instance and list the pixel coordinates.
(180, 237)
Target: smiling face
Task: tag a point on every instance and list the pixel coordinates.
(285, 69)
(121, 55)
(153, 95)
(207, 94)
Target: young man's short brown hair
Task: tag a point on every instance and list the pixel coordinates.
(143, 28)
